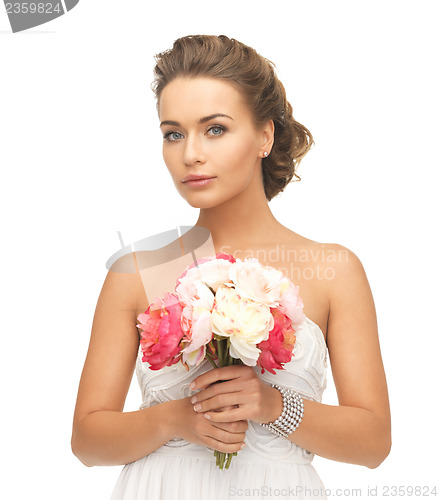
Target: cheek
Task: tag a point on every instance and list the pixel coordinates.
(169, 158)
(166, 154)
(237, 156)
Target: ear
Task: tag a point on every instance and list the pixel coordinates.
(267, 137)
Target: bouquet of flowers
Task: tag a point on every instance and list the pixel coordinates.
(228, 311)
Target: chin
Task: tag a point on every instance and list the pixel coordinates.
(199, 203)
(210, 198)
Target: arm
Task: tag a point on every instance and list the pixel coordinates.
(107, 437)
(358, 431)
(102, 434)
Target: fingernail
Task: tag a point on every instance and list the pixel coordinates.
(192, 386)
(207, 416)
(243, 446)
(194, 399)
(197, 407)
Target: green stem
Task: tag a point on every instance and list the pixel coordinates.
(220, 353)
(223, 457)
(224, 359)
(209, 357)
(229, 459)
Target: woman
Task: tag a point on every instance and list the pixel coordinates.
(224, 115)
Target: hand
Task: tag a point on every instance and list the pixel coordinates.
(257, 400)
(226, 437)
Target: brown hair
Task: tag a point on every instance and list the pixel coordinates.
(254, 76)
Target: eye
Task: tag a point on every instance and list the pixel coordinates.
(218, 131)
(168, 134)
(217, 127)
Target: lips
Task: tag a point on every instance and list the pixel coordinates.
(199, 183)
(197, 177)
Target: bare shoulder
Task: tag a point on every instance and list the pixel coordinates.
(348, 284)
(352, 336)
(123, 285)
(342, 279)
(113, 346)
(314, 266)
(333, 260)
(321, 251)
(353, 339)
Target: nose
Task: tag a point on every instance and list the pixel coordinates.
(193, 151)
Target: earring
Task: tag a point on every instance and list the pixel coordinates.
(265, 153)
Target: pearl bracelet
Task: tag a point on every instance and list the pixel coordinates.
(292, 413)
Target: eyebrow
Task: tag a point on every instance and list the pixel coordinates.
(200, 121)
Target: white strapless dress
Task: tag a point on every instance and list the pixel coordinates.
(269, 466)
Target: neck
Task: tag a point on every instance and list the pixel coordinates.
(242, 221)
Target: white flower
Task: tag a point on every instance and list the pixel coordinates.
(213, 273)
(256, 282)
(245, 321)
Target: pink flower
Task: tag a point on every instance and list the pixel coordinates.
(161, 332)
(196, 324)
(291, 303)
(196, 340)
(219, 255)
(210, 271)
(278, 348)
(225, 256)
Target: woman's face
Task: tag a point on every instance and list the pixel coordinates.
(227, 148)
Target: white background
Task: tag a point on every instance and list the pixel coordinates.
(80, 155)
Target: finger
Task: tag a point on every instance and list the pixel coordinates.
(214, 390)
(223, 447)
(237, 427)
(225, 416)
(218, 402)
(216, 374)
